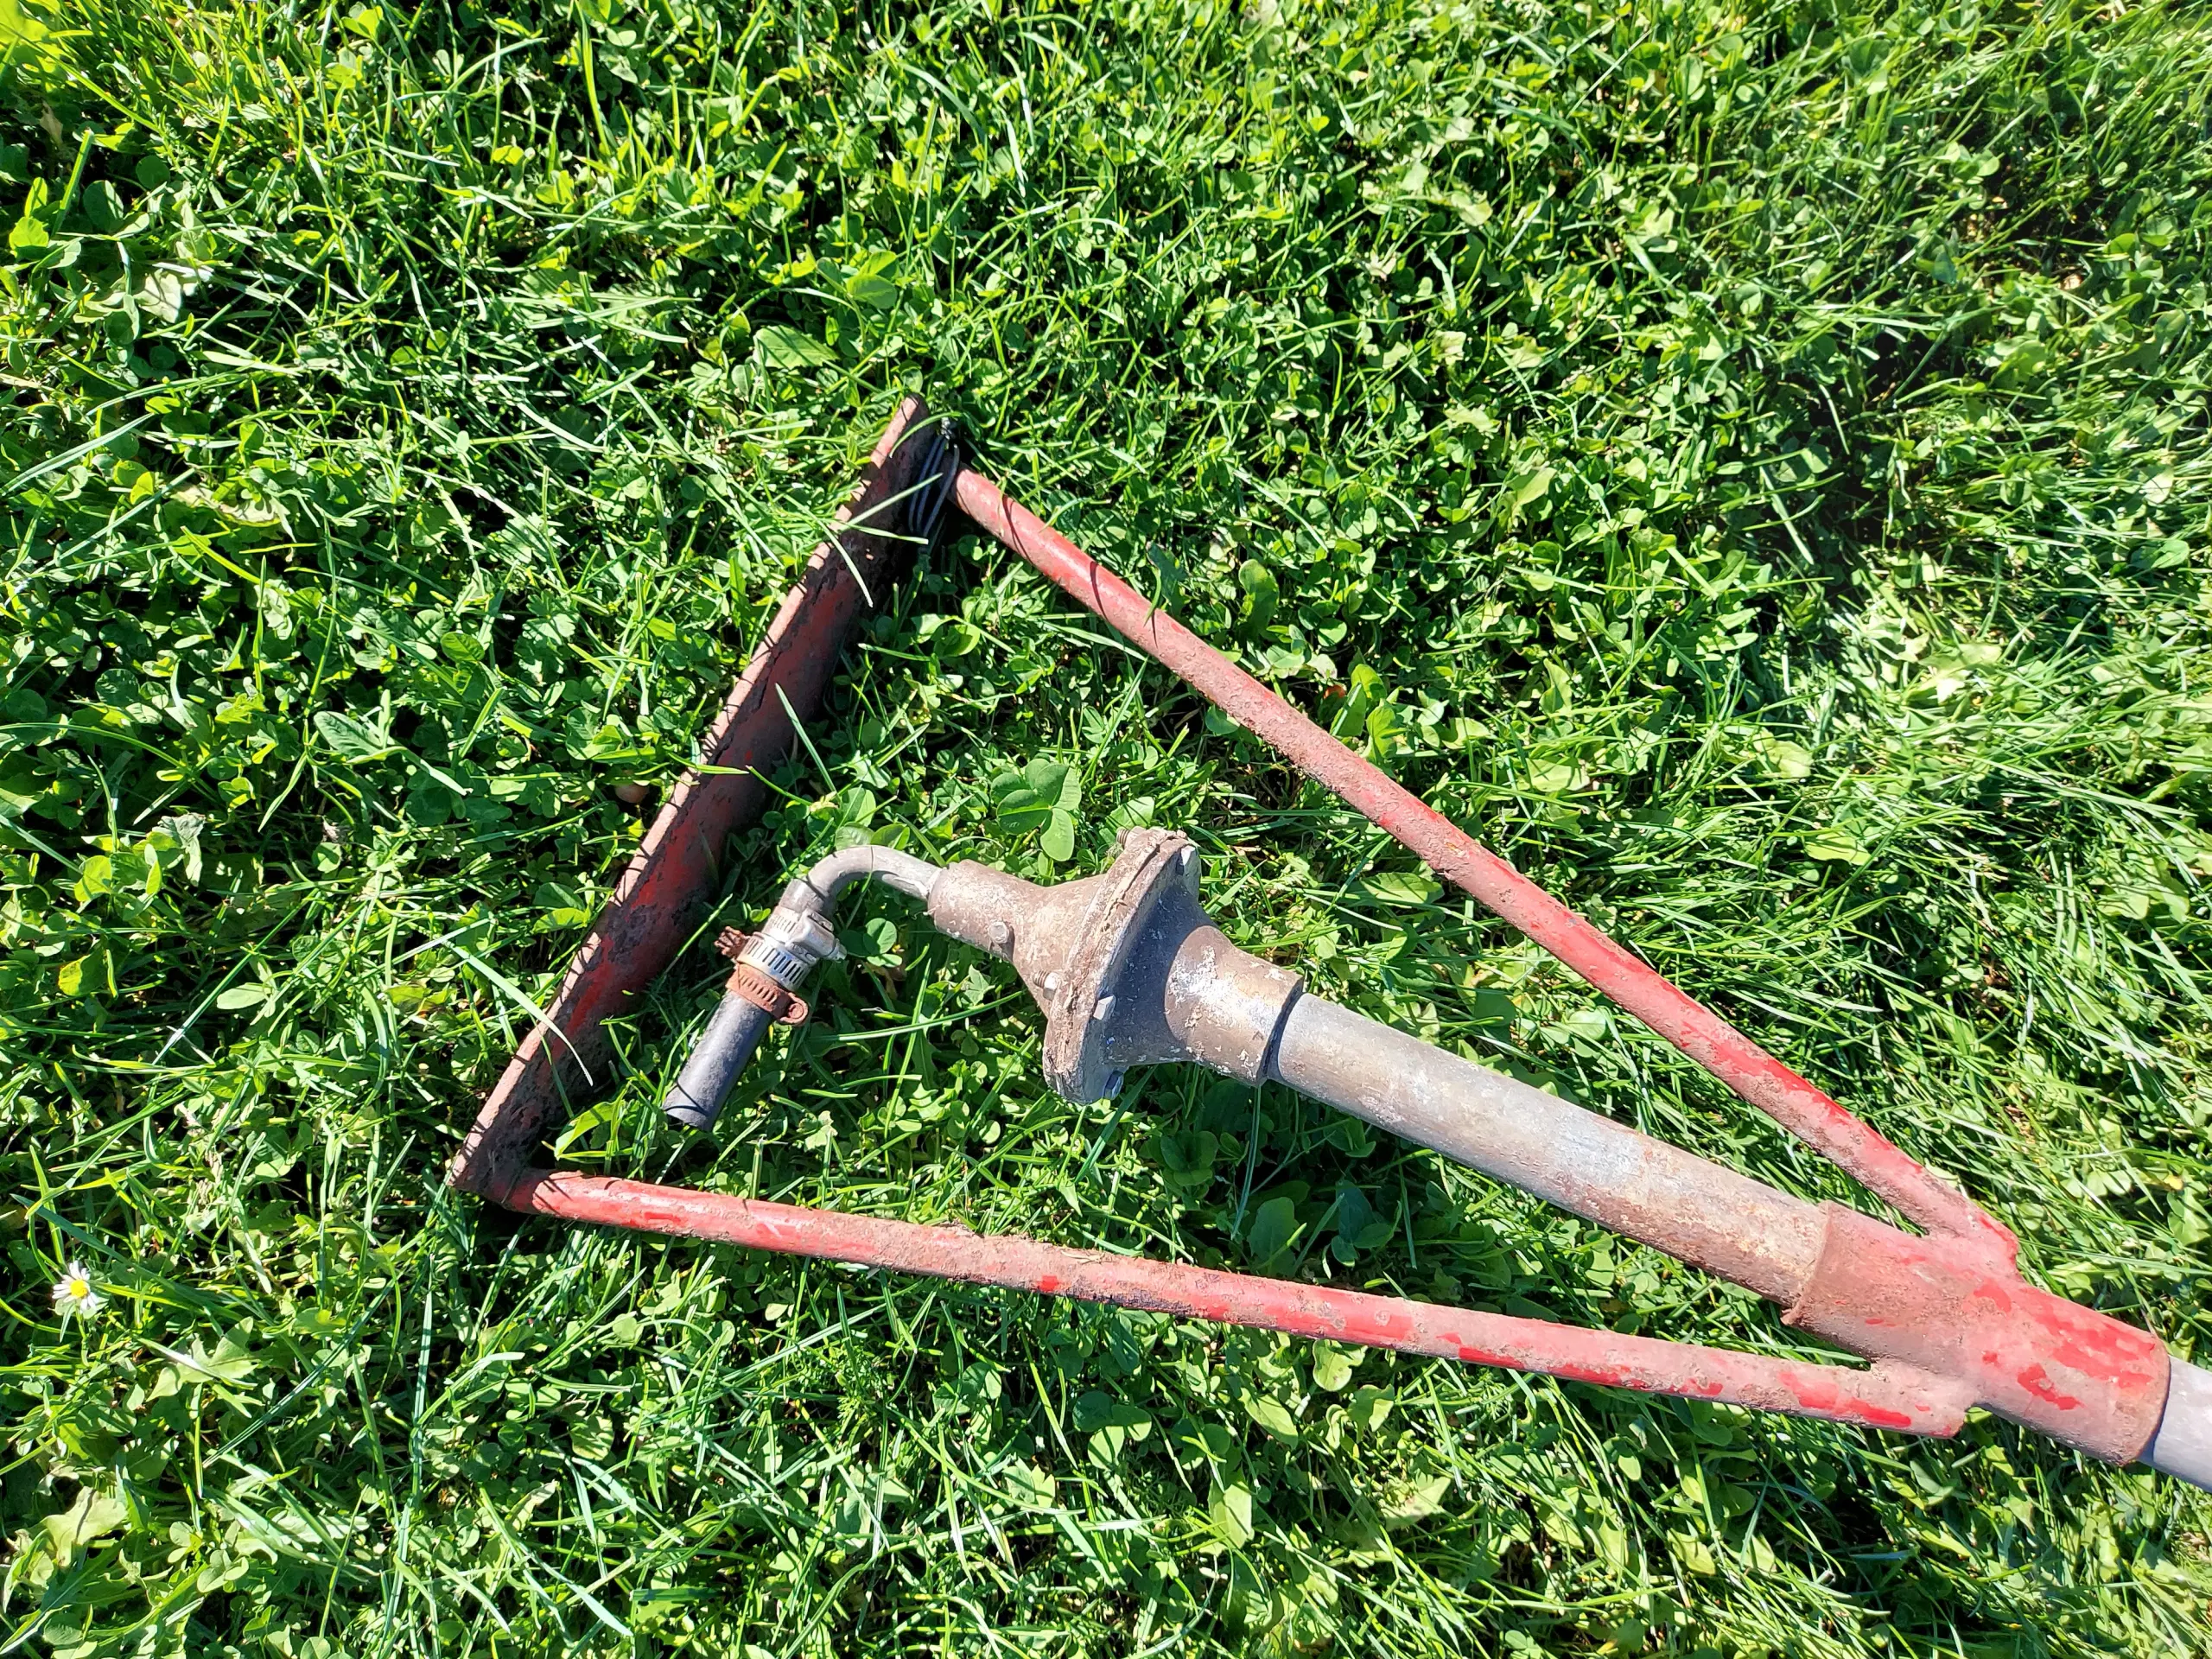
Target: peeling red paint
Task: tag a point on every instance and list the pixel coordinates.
(2096, 1339)
(1881, 1416)
(2036, 1382)
(2096, 1360)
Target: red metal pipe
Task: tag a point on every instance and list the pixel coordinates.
(1755, 1075)
(1888, 1396)
(2080, 1376)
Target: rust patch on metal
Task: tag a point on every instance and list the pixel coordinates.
(763, 993)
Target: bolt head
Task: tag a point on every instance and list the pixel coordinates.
(1114, 1080)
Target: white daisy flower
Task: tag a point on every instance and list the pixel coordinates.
(73, 1296)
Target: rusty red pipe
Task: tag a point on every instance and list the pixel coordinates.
(1892, 1397)
(1755, 1075)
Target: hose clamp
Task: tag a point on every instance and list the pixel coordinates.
(759, 982)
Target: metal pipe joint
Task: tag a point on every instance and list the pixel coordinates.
(768, 968)
(1128, 969)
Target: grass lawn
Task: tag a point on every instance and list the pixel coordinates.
(1749, 466)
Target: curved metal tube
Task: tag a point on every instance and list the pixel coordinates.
(819, 887)
(796, 936)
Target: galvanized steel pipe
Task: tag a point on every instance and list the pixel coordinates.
(1606, 1172)
(2183, 1446)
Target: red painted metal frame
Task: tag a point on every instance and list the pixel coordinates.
(1953, 1293)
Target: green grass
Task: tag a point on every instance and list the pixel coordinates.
(1750, 467)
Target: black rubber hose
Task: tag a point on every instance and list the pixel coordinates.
(727, 1045)
(724, 1049)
